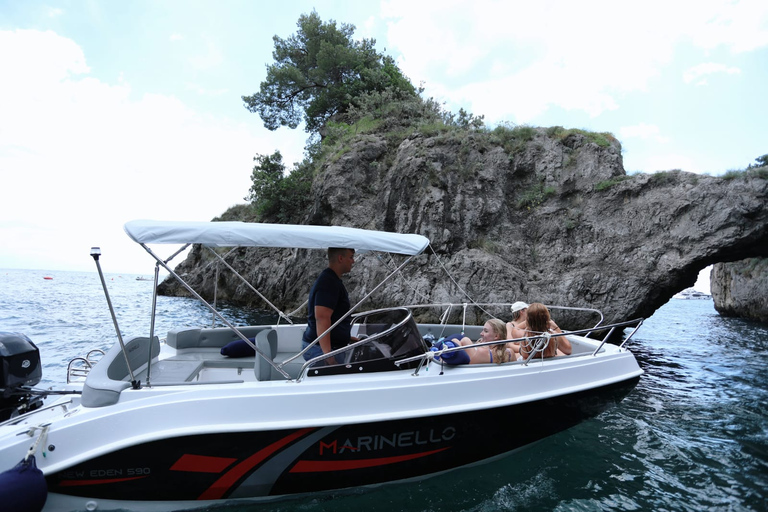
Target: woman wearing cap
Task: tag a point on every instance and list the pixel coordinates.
(539, 322)
(516, 327)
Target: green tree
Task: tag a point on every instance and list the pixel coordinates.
(278, 196)
(320, 72)
(762, 161)
(266, 177)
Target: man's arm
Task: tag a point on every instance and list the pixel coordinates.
(323, 321)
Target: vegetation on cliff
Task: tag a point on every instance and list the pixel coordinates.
(344, 90)
(515, 212)
(758, 170)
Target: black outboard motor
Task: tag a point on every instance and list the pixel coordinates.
(20, 369)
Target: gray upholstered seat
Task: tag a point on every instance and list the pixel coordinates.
(190, 337)
(266, 343)
(110, 376)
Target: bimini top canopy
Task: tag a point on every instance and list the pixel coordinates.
(232, 234)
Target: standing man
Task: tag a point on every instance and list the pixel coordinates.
(329, 301)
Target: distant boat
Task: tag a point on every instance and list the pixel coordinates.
(690, 293)
(47, 277)
(140, 278)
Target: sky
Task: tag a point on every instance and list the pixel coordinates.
(118, 110)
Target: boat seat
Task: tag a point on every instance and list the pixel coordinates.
(293, 368)
(266, 343)
(109, 377)
(288, 346)
(186, 338)
(185, 366)
(167, 371)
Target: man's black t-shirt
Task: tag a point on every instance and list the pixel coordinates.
(329, 291)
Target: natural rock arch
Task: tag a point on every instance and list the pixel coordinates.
(555, 220)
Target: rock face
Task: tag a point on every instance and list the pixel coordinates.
(553, 219)
(741, 288)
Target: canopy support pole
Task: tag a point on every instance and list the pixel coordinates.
(244, 280)
(152, 324)
(214, 311)
(95, 253)
(351, 310)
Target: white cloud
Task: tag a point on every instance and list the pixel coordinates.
(211, 58)
(202, 91)
(642, 131)
(552, 53)
(739, 25)
(79, 157)
(708, 68)
(175, 37)
(668, 162)
(38, 58)
(54, 12)
(367, 29)
(575, 55)
(529, 93)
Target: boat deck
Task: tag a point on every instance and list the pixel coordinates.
(193, 356)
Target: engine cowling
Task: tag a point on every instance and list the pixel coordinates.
(20, 369)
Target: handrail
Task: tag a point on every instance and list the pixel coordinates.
(88, 361)
(78, 372)
(607, 336)
(89, 355)
(344, 316)
(22, 417)
(580, 332)
(464, 305)
(363, 341)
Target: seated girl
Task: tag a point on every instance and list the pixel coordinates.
(540, 323)
(494, 329)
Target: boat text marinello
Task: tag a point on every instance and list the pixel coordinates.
(164, 424)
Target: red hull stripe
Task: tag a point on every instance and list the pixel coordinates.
(315, 466)
(73, 483)
(202, 464)
(230, 478)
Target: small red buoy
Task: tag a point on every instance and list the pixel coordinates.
(47, 277)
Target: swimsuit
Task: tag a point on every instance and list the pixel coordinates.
(490, 354)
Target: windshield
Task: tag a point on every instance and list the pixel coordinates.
(386, 336)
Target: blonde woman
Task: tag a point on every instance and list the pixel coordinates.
(494, 329)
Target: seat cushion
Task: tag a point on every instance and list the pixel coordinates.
(238, 348)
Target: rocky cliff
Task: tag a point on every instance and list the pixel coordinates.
(544, 215)
(741, 288)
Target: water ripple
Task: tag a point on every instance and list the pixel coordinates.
(692, 436)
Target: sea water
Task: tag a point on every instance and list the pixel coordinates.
(692, 436)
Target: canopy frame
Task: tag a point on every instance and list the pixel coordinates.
(241, 234)
(248, 234)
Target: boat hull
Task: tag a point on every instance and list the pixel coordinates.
(211, 467)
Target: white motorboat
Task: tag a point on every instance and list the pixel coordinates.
(173, 424)
(690, 293)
